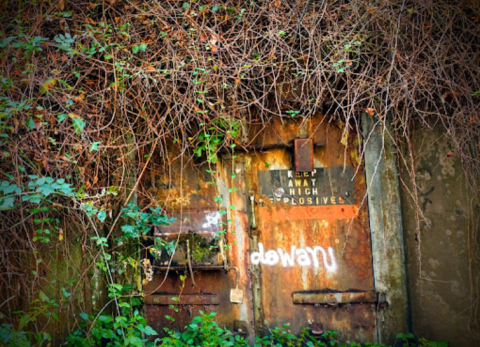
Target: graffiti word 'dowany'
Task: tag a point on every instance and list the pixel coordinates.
(301, 256)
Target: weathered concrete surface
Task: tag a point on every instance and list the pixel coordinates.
(440, 242)
(384, 208)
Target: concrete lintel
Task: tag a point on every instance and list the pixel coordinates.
(384, 206)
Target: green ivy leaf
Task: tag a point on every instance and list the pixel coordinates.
(43, 297)
(30, 124)
(12, 188)
(45, 189)
(135, 49)
(67, 294)
(6, 203)
(142, 47)
(78, 123)
(105, 318)
(47, 85)
(149, 331)
(34, 198)
(84, 315)
(128, 228)
(61, 117)
(94, 146)
(101, 216)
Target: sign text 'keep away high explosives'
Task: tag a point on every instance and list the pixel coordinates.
(323, 186)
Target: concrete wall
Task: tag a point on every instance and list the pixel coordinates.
(386, 227)
(440, 228)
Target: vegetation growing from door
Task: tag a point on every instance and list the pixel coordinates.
(92, 92)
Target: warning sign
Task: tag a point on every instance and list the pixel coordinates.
(320, 187)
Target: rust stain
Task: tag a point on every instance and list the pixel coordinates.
(303, 155)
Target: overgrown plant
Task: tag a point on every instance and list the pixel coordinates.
(91, 91)
(129, 328)
(126, 327)
(204, 331)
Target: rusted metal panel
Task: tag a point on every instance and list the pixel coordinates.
(303, 155)
(184, 189)
(309, 246)
(281, 132)
(190, 299)
(187, 193)
(283, 249)
(334, 298)
(211, 293)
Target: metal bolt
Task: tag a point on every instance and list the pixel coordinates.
(279, 192)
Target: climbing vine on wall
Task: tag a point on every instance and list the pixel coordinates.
(91, 93)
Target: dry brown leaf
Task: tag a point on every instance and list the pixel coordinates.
(79, 99)
(45, 164)
(370, 111)
(38, 123)
(149, 68)
(213, 40)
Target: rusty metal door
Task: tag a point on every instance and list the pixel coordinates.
(310, 260)
(298, 236)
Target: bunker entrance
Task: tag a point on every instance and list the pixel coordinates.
(294, 229)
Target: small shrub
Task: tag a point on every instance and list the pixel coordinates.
(203, 331)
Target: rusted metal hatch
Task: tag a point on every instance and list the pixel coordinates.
(299, 240)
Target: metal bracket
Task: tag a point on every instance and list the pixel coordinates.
(186, 299)
(340, 298)
(303, 155)
(253, 221)
(236, 295)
